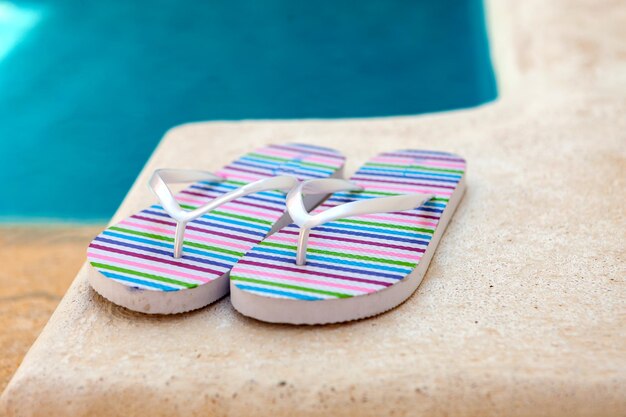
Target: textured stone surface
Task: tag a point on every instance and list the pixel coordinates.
(523, 309)
(37, 264)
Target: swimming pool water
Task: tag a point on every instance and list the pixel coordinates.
(87, 89)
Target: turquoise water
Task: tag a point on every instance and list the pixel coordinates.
(87, 89)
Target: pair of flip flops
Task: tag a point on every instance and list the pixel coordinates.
(249, 230)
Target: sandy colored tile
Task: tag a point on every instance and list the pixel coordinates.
(38, 263)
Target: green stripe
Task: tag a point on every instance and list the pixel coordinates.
(289, 286)
(426, 168)
(234, 182)
(276, 193)
(144, 275)
(230, 215)
(342, 254)
(240, 217)
(375, 192)
(171, 239)
(318, 165)
(269, 158)
(278, 159)
(393, 194)
(213, 248)
(387, 225)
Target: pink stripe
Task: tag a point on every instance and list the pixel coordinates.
(149, 267)
(230, 175)
(322, 244)
(377, 187)
(441, 164)
(264, 273)
(417, 161)
(431, 182)
(393, 159)
(325, 152)
(393, 220)
(211, 194)
(191, 236)
(292, 155)
(235, 209)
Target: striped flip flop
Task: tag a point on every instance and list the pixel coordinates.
(175, 256)
(364, 251)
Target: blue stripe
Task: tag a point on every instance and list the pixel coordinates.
(277, 202)
(407, 170)
(298, 165)
(358, 195)
(169, 246)
(329, 151)
(259, 162)
(244, 223)
(166, 253)
(432, 210)
(382, 231)
(414, 177)
(277, 292)
(279, 196)
(386, 237)
(138, 281)
(347, 200)
(342, 261)
(216, 225)
(412, 152)
(294, 164)
(284, 170)
(334, 267)
(255, 166)
(362, 196)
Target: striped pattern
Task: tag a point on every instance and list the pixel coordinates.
(361, 254)
(137, 252)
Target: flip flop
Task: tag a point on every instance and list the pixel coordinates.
(175, 257)
(363, 252)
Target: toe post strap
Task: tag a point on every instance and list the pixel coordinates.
(162, 177)
(306, 221)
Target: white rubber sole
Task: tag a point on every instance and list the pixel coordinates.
(282, 310)
(174, 302)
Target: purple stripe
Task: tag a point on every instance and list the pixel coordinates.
(249, 164)
(247, 171)
(399, 213)
(332, 267)
(372, 235)
(420, 215)
(194, 228)
(163, 252)
(358, 241)
(236, 202)
(254, 232)
(250, 197)
(411, 176)
(413, 155)
(292, 149)
(157, 260)
(401, 182)
(322, 274)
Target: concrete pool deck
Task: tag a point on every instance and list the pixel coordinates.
(522, 311)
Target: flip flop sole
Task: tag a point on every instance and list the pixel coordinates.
(132, 260)
(368, 280)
